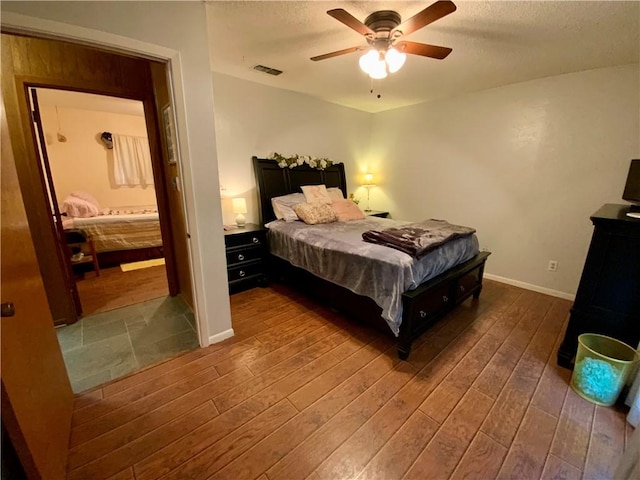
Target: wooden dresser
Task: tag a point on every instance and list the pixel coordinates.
(246, 250)
(608, 297)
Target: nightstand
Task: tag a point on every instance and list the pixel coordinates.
(246, 250)
(376, 213)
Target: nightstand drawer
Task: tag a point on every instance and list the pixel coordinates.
(244, 254)
(244, 239)
(245, 271)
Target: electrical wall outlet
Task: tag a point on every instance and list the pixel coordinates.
(553, 266)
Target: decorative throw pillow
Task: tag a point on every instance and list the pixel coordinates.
(335, 193)
(346, 210)
(77, 207)
(313, 213)
(316, 194)
(283, 206)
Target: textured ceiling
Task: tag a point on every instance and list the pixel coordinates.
(494, 44)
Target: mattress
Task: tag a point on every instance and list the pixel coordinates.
(337, 253)
(120, 232)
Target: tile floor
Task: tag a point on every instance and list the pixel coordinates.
(108, 345)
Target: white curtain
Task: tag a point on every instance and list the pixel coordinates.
(131, 161)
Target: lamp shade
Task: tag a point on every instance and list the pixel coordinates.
(378, 70)
(395, 59)
(239, 205)
(368, 179)
(368, 60)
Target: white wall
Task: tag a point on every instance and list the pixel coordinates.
(176, 31)
(257, 120)
(83, 162)
(525, 164)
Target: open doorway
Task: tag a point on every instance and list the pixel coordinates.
(98, 154)
(106, 196)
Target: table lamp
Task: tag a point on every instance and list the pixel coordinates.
(368, 179)
(239, 208)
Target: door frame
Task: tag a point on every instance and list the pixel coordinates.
(26, 25)
(147, 97)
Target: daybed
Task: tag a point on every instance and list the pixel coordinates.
(120, 235)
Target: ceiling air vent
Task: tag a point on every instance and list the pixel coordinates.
(269, 70)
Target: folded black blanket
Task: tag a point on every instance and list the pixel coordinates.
(417, 239)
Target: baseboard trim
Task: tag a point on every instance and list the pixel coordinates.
(218, 337)
(529, 286)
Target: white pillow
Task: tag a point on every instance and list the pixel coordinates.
(86, 197)
(316, 194)
(283, 206)
(335, 194)
(77, 207)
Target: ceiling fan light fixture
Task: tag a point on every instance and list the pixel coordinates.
(373, 64)
(395, 59)
(382, 29)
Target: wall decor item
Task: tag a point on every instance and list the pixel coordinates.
(107, 139)
(298, 160)
(169, 131)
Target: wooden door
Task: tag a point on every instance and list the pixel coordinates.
(30, 176)
(54, 210)
(37, 400)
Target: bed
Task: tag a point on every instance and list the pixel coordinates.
(420, 292)
(121, 237)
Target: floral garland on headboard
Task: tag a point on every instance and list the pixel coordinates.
(296, 160)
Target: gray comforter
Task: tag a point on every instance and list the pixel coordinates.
(336, 252)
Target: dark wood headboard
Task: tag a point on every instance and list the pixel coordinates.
(273, 181)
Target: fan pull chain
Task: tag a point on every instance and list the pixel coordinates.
(372, 89)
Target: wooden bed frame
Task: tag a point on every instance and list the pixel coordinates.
(422, 307)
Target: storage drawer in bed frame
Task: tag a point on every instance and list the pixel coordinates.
(423, 306)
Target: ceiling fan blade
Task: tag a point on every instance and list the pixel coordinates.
(336, 53)
(425, 17)
(350, 21)
(432, 51)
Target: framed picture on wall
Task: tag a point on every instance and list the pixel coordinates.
(169, 130)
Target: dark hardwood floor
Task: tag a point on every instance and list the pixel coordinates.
(302, 393)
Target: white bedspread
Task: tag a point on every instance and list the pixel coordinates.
(120, 232)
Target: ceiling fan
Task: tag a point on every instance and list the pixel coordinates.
(383, 31)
